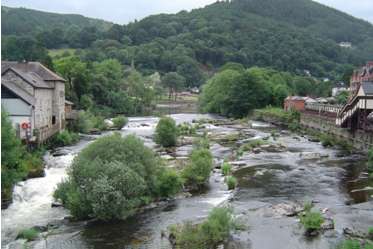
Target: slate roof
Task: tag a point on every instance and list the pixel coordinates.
(33, 72)
(19, 92)
(367, 87)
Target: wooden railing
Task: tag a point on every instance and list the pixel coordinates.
(358, 102)
(318, 107)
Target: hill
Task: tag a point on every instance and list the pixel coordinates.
(288, 35)
(22, 21)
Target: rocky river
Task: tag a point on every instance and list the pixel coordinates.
(273, 182)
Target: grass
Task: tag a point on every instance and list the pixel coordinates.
(28, 234)
(208, 234)
(354, 244)
(226, 168)
(61, 51)
(289, 118)
(231, 182)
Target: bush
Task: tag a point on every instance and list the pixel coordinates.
(199, 168)
(312, 221)
(166, 132)
(64, 138)
(119, 122)
(231, 182)
(28, 234)
(112, 177)
(169, 183)
(209, 234)
(202, 143)
(226, 168)
(186, 129)
(87, 122)
(251, 145)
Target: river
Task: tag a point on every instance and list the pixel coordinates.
(303, 171)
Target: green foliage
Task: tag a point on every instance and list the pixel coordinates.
(16, 162)
(187, 129)
(201, 143)
(64, 138)
(208, 234)
(342, 97)
(311, 220)
(166, 132)
(251, 145)
(226, 168)
(28, 234)
(231, 182)
(112, 177)
(354, 244)
(169, 183)
(174, 82)
(88, 122)
(120, 121)
(197, 172)
(289, 118)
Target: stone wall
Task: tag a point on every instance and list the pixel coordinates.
(359, 139)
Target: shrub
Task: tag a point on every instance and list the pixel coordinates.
(202, 143)
(86, 122)
(28, 234)
(186, 129)
(312, 221)
(64, 138)
(209, 234)
(169, 183)
(226, 168)
(166, 132)
(119, 122)
(112, 177)
(252, 144)
(231, 182)
(199, 168)
(326, 140)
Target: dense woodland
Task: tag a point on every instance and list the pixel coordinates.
(121, 68)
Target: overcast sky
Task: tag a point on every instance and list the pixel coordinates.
(124, 11)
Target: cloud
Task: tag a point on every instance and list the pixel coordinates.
(124, 11)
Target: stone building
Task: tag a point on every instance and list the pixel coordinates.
(34, 98)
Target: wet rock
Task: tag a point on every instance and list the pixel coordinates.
(61, 152)
(284, 132)
(95, 131)
(328, 224)
(310, 155)
(56, 204)
(256, 150)
(314, 139)
(311, 233)
(238, 163)
(40, 229)
(18, 244)
(287, 209)
(273, 148)
(236, 242)
(354, 233)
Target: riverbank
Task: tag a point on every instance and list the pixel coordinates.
(321, 128)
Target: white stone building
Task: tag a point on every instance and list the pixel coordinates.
(34, 98)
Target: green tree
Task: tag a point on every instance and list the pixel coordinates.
(174, 82)
(166, 132)
(13, 167)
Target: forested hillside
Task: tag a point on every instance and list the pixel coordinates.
(287, 35)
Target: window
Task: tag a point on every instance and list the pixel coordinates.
(53, 120)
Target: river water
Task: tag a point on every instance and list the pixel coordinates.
(303, 171)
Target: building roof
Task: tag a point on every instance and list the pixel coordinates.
(68, 102)
(367, 87)
(19, 92)
(33, 72)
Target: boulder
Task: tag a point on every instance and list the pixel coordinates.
(273, 148)
(328, 224)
